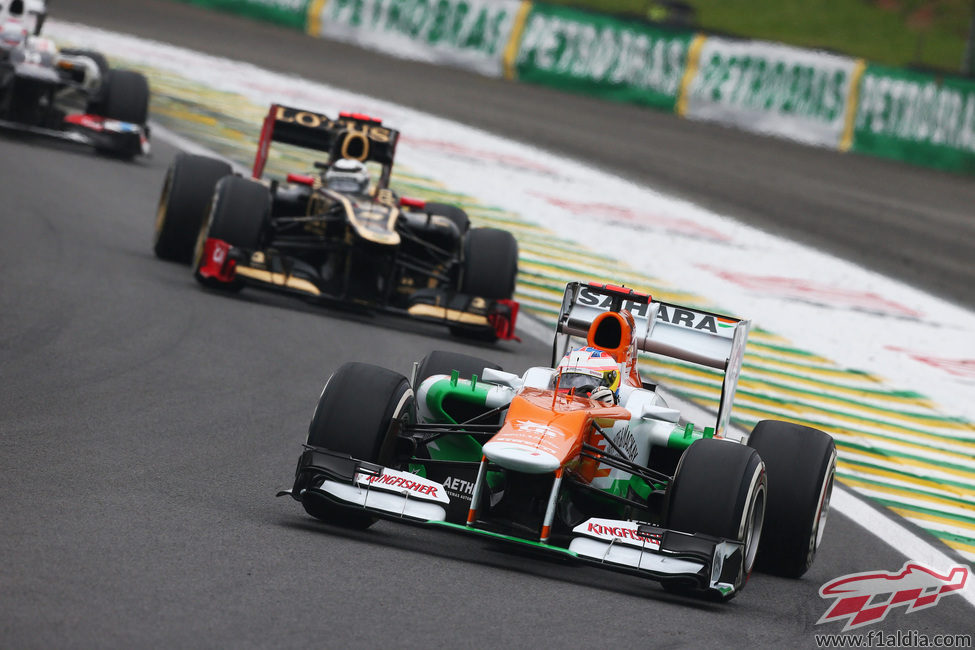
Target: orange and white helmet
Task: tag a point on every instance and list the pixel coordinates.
(589, 372)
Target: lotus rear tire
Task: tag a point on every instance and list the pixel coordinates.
(451, 212)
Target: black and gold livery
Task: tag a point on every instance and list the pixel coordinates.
(373, 250)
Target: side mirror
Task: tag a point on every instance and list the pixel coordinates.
(416, 204)
(656, 412)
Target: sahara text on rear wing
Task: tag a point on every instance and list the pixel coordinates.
(692, 335)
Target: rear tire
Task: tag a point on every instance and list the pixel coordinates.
(719, 489)
(801, 465)
(440, 362)
(183, 203)
(359, 413)
(452, 212)
(239, 214)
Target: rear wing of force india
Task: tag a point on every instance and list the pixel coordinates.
(352, 135)
(675, 331)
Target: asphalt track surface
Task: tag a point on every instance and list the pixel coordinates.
(146, 424)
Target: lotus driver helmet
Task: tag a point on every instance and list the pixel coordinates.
(348, 176)
(589, 372)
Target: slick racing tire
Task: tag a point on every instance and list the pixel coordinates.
(126, 97)
(452, 212)
(239, 213)
(360, 412)
(186, 195)
(719, 489)
(489, 271)
(801, 465)
(490, 264)
(440, 362)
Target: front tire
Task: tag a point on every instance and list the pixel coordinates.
(183, 203)
(801, 465)
(489, 271)
(126, 97)
(719, 489)
(239, 214)
(360, 413)
(490, 264)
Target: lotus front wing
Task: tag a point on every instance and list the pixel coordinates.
(225, 263)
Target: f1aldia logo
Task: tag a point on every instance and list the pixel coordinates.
(866, 598)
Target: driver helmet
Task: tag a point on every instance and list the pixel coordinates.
(348, 176)
(590, 372)
(12, 34)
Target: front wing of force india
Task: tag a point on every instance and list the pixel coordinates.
(333, 479)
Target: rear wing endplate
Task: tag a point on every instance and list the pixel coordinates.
(352, 135)
(692, 335)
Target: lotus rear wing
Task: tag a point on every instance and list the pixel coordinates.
(352, 135)
(675, 331)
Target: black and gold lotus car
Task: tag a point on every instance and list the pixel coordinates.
(371, 249)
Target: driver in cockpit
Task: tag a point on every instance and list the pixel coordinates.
(590, 372)
(348, 176)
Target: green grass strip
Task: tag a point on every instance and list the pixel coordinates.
(842, 430)
(961, 502)
(892, 503)
(864, 465)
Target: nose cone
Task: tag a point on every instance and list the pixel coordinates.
(520, 457)
(540, 434)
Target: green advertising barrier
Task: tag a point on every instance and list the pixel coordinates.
(603, 56)
(290, 13)
(771, 89)
(470, 34)
(916, 117)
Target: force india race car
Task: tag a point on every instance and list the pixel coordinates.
(371, 249)
(67, 94)
(624, 484)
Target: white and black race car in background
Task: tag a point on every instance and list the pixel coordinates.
(68, 94)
